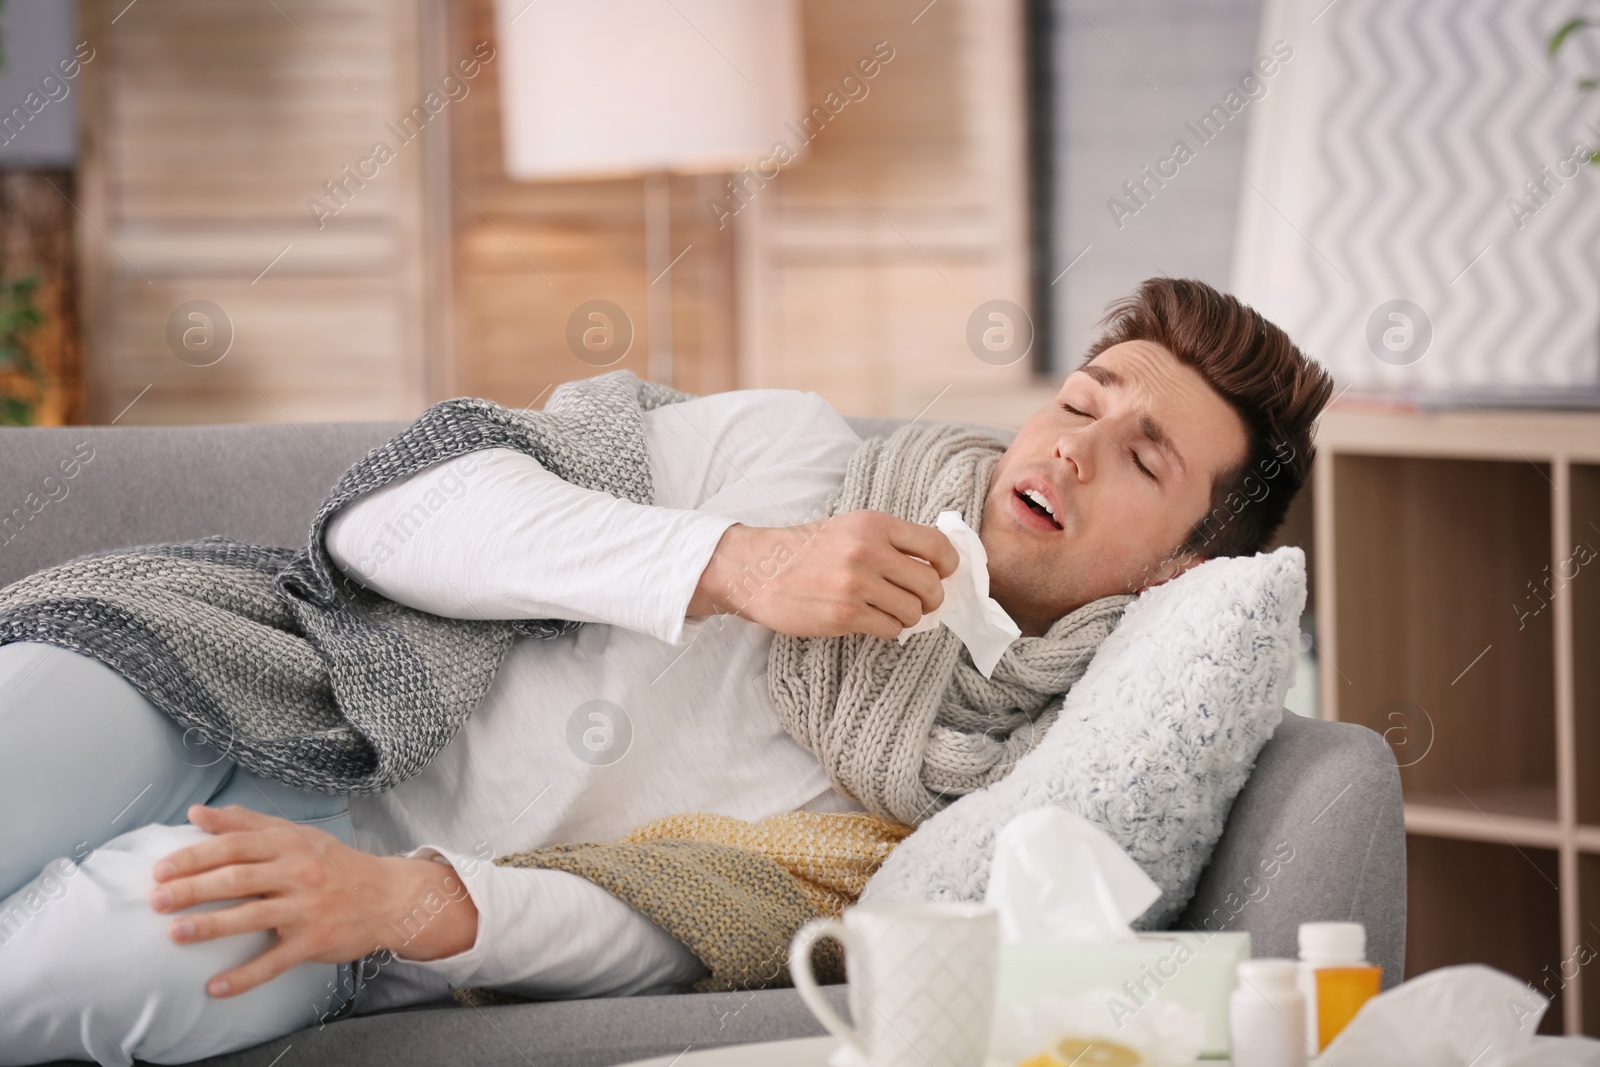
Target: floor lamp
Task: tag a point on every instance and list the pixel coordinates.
(622, 88)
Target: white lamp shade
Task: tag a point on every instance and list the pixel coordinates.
(601, 88)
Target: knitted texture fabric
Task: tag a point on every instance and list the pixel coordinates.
(272, 658)
(908, 729)
(831, 855)
(733, 892)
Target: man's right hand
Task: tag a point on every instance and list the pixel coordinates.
(860, 572)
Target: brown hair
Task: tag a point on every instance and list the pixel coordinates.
(1277, 390)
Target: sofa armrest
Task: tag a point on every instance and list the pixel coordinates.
(1317, 833)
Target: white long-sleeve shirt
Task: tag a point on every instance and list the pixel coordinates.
(641, 714)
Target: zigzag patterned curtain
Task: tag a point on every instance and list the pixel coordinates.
(1419, 210)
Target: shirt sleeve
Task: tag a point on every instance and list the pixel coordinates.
(551, 934)
(494, 535)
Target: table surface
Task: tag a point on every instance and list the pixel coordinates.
(798, 1052)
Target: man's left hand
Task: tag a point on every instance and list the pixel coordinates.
(328, 902)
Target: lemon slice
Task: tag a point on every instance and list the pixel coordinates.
(1086, 1052)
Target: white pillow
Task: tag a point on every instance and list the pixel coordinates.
(1152, 744)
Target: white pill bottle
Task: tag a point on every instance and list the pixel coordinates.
(1265, 1015)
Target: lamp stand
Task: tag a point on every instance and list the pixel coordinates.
(658, 258)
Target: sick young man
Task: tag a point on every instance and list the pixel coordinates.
(210, 909)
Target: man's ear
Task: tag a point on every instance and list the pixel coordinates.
(1174, 563)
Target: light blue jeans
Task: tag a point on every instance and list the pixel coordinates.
(95, 785)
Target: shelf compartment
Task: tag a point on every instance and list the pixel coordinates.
(1435, 557)
(1589, 940)
(1584, 588)
(1536, 801)
(1476, 902)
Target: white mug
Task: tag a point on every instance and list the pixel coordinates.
(922, 981)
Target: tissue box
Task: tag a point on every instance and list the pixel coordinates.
(1194, 970)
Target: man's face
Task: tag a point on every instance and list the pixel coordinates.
(1124, 457)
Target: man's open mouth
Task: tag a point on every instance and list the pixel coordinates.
(1038, 504)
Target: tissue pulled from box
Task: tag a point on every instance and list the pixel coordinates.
(1057, 879)
(967, 609)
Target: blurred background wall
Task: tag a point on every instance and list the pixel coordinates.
(196, 218)
(1131, 79)
(208, 129)
(241, 254)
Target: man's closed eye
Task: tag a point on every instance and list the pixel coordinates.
(1132, 454)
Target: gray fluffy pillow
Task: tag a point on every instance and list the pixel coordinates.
(1153, 743)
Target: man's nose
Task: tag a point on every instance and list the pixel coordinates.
(1079, 448)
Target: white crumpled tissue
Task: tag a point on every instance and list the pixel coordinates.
(968, 610)
(1453, 1017)
(1057, 879)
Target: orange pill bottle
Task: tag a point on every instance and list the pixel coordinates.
(1335, 978)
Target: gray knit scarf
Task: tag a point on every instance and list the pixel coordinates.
(271, 657)
(908, 729)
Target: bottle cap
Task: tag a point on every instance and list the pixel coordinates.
(1333, 942)
(1268, 975)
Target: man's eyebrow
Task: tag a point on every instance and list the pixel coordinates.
(1110, 379)
(1104, 375)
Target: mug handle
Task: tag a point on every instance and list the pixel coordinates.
(806, 983)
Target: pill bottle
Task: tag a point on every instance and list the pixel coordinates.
(1335, 979)
(1264, 1016)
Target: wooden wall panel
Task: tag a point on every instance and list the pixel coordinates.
(526, 254)
(852, 273)
(863, 261)
(206, 129)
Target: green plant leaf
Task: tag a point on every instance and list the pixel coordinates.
(1570, 27)
(15, 412)
(20, 316)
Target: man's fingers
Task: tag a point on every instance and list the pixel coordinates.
(901, 606)
(869, 619)
(925, 542)
(226, 848)
(916, 578)
(264, 968)
(240, 919)
(878, 623)
(224, 883)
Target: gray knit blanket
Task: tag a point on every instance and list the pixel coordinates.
(272, 657)
(909, 729)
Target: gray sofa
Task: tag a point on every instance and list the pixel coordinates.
(1330, 792)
